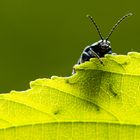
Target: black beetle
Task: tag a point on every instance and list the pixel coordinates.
(100, 48)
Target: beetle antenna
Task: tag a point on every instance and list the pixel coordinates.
(118, 22)
(97, 28)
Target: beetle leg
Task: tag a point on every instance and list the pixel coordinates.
(114, 53)
(73, 71)
(96, 55)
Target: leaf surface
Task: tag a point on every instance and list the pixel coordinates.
(98, 102)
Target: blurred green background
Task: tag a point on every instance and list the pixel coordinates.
(39, 39)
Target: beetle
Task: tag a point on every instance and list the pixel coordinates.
(100, 48)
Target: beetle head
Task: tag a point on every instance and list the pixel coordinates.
(104, 46)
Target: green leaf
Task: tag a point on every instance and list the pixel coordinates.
(99, 102)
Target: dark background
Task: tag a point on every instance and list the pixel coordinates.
(39, 39)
